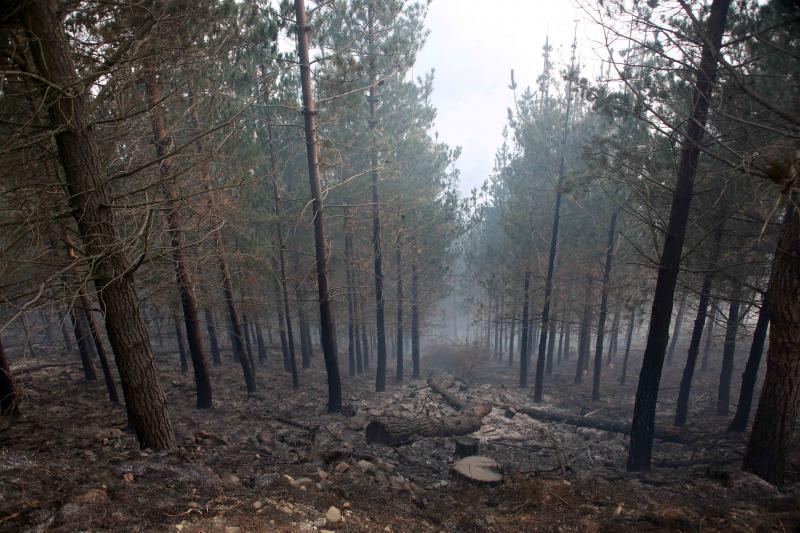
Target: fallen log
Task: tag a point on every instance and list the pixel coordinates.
(595, 423)
(453, 400)
(394, 431)
(33, 368)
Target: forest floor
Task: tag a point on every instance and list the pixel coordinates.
(69, 463)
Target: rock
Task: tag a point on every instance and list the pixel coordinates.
(320, 522)
(509, 412)
(303, 482)
(341, 468)
(347, 505)
(333, 516)
(326, 531)
(323, 475)
(233, 479)
(92, 496)
(127, 477)
(366, 467)
(289, 480)
(231, 529)
(257, 505)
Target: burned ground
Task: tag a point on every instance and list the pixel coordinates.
(275, 461)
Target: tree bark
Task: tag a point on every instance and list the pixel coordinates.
(750, 374)
(643, 424)
(380, 376)
(99, 348)
(728, 353)
(676, 331)
(181, 345)
(778, 405)
(399, 431)
(399, 355)
(628, 339)
(601, 323)
(415, 362)
(328, 333)
(682, 408)
(82, 339)
(9, 394)
(354, 366)
(211, 328)
(89, 196)
(185, 285)
(523, 348)
(585, 334)
(709, 335)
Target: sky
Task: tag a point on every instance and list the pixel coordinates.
(473, 45)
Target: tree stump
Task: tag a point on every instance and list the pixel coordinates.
(466, 446)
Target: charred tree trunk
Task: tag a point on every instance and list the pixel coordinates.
(68, 348)
(709, 336)
(415, 362)
(9, 394)
(82, 339)
(682, 409)
(262, 348)
(728, 353)
(628, 338)
(643, 424)
(551, 343)
(399, 355)
(284, 289)
(512, 333)
(601, 323)
(584, 335)
(89, 196)
(185, 286)
(776, 416)
(676, 331)
(523, 348)
(181, 345)
(612, 346)
(288, 358)
(353, 360)
(750, 374)
(99, 348)
(380, 376)
(211, 328)
(248, 345)
(326, 317)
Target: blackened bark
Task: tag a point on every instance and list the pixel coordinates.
(601, 323)
(191, 317)
(676, 331)
(585, 333)
(211, 328)
(262, 348)
(776, 416)
(415, 362)
(82, 339)
(284, 289)
(682, 410)
(380, 376)
(513, 333)
(181, 345)
(551, 340)
(9, 394)
(248, 345)
(628, 339)
(612, 345)
(100, 349)
(750, 374)
(643, 424)
(65, 333)
(289, 362)
(354, 366)
(712, 318)
(400, 354)
(327, 332)
(523, 349)
(728, 353)
(560, 344)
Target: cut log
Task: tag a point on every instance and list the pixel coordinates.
(393, 431)
(596, 423)
(453, 400)
(479, 469)
(466, 446)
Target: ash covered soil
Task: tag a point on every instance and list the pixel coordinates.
(276, 461)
